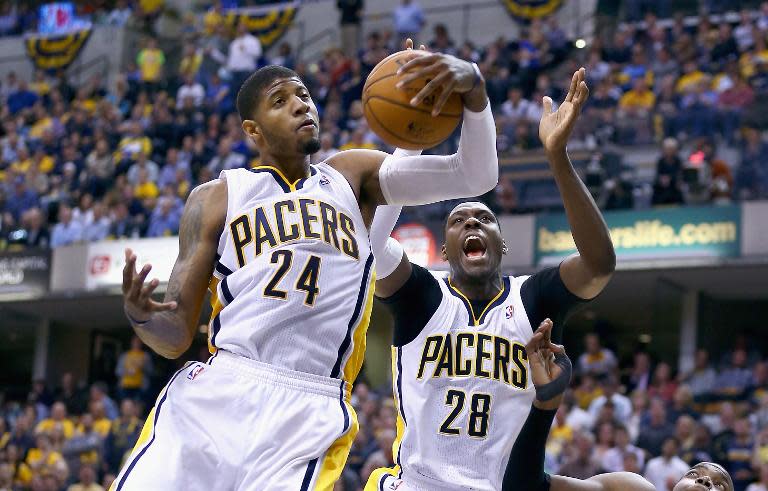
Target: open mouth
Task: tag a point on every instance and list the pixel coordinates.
(309, 123)
(474, 247)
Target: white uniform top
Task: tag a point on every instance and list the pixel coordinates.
(293, 286)
(463, 386)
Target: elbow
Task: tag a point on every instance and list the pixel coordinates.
(486, 181)
(606, 266)
(174, 352)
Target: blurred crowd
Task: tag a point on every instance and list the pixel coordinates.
(638, 414)
(92, 162)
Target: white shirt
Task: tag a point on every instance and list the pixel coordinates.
(519, 111)
(613, 458)
(579, 418)
(757, 487)
(659, 470)
(244, 52)
(621, 404)
(195, 91)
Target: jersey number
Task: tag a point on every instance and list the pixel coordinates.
(307, 281)
(480, 407)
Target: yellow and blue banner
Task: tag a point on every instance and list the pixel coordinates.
(268, 23)
(693, 231)
(531, 9)
(54, 52)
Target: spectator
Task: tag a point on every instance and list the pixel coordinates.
(762, 484)
(87, 481)
(662, 385)
(656, 430)
(738, 453)
(22, 98)
(35, 231)
(57, 422)
(665, 470)
(733, 381)
(120, 14)
(516, 108)
(701, 379)
(45, 460)
(123, 435)
(99, 394)
(134, 369)
(69, 394)
(442, 42)
(150, 61)
(143, 164)
(621, 404)
(596, 359)
(98, 228)
(243, 57)
(579, 463)
(225, 158)
(67, 231)
(408, 21)
(351, 17)
(613, 459)
(190, 63)
(84, 448)
(752, 175)
(326, 148)
(190, 90)
(164, 220)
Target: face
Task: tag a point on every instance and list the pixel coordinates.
(703, 477)
(286, 120)
(473, 242)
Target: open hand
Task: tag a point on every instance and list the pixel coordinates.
(555, 127)
(540, 351)
(137, 298)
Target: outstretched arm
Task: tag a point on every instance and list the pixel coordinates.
(585, 274)
(169, 327)
(614, 481)
(417, 180)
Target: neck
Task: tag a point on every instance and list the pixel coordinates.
(477, 288)
(294, 166)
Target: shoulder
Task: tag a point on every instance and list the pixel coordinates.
(356, 157)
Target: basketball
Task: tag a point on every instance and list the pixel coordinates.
(391, 116)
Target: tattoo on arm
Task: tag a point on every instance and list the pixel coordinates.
(189, 230)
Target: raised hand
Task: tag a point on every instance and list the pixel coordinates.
(541, 359)
(137, 298)
(555, 127)
(446, 73)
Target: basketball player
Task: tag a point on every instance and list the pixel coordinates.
(284, 249)
(525, 470)
(460, 371)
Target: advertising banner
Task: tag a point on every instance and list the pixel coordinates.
(25, 273)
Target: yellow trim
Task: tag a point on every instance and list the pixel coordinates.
(144, 437)
(291, 185)
(217, 307)
(355, 361)
(336, 456)
(375, 477)
(471, 310)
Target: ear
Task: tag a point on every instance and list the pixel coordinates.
(504, 248)
(252, 129)
(443, 252)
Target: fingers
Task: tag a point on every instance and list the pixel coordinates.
(574, 83)
(429, 88)
(146, 292)
(128, 270)
(444, 95)
(547, 103)
(423, 47)
(409, 43)
(138, 281)
(415, 75)
(582, 93)
(417, 59)
(162, 306)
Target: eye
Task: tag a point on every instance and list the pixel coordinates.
(304, 96)
(458, 220)
(692, 474)
(278, 101)
(485, 219)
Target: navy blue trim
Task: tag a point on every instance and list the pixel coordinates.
(154, 431)
(216, 329)
(456, 294)
(300, 182)
(225, 291)
(506, 284)
(358, 307)
(382, 481)
(402, 407)
(210, 360)
(278, 178)
(344, 408)
(223, 270)
(308, 475)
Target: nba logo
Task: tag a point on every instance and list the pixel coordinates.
(195, 372)
(510, 311)
(324, 180)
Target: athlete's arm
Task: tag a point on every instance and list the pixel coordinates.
(169, 327)
(614, 481)
(585, 274)
(378, 178)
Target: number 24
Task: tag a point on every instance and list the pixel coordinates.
(307, 281)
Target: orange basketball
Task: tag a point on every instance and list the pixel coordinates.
(391, 116)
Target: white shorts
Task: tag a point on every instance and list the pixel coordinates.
(387, 482)
(237, 424)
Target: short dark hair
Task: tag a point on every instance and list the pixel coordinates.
(250, 92)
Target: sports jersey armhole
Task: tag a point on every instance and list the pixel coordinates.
(517, 282)
(329, 168)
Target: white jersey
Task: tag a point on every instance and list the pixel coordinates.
(293, 286)
(463, 391)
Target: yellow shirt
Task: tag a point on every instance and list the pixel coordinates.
(134, 368)
(584, 399)
(35, 458)
(146, 190)
(41, 88)
(150, 63)
(102, 426)
(364, 145)
(150, 6)
(83, 487)
(23, 474)
(45, 166)
(37, 129)
(211, 19)
(747, 62)
(129, 146)
(689, 80)
(190, 64)
(634, 99)
(48, 425)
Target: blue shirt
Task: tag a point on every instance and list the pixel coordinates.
(408, 18)
(162, 225)
(18, 204)
(21, 99)
(65, 234)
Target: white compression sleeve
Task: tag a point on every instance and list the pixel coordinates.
(471, 171)
(387, 252)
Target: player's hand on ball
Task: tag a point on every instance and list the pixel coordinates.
(540, 350)
(137, 298)
(445, 72)
(555, 127)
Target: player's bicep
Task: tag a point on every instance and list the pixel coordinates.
(361, 169)
(201, 224)
(620, 481)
